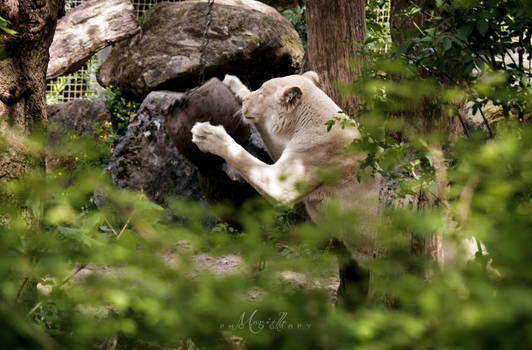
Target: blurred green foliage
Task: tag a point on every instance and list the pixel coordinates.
(85, 265)
(112, 266)
(108, 263)
(462, 42)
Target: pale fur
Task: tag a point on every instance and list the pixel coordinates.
(291, 113)
(298, 141)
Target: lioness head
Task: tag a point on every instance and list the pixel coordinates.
(276, 102)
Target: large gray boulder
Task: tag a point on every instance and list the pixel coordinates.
(77, 116)
(157, 155)
(146, 159)
(247, 38)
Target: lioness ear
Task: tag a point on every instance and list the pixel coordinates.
(291, 96)
(313, 76)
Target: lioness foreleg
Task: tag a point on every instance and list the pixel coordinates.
(237, 87)
(277, 181)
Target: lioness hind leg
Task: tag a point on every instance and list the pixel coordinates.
(354, 279)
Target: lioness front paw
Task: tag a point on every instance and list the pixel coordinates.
(210, 138)
(235, 85)
(232, 81)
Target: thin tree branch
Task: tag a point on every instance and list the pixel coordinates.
(80, 267)
(123, 228)
(490, 132)
(33, 309)
(110, 226)
(19, 293)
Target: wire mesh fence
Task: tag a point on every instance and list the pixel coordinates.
(384, 17)
(83, 84)
(75, 85)
(141, 6)
(384, 13)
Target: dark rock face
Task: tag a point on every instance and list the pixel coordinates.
(146, 159)
(157, 154)
(78, 116)
(246, 38)
(214, 102)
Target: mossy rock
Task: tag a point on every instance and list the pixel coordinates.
(246, 38)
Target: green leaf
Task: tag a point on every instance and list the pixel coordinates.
(330, 124)
(77, 235)
(482, 27)
(446, 44)
(9, 31)
(465, 31)
(3, 26)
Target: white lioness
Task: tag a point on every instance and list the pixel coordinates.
(291, 113)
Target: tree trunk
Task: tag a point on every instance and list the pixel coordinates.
(87, 29)
(22, 96)
(333, 29)
(23, 73)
